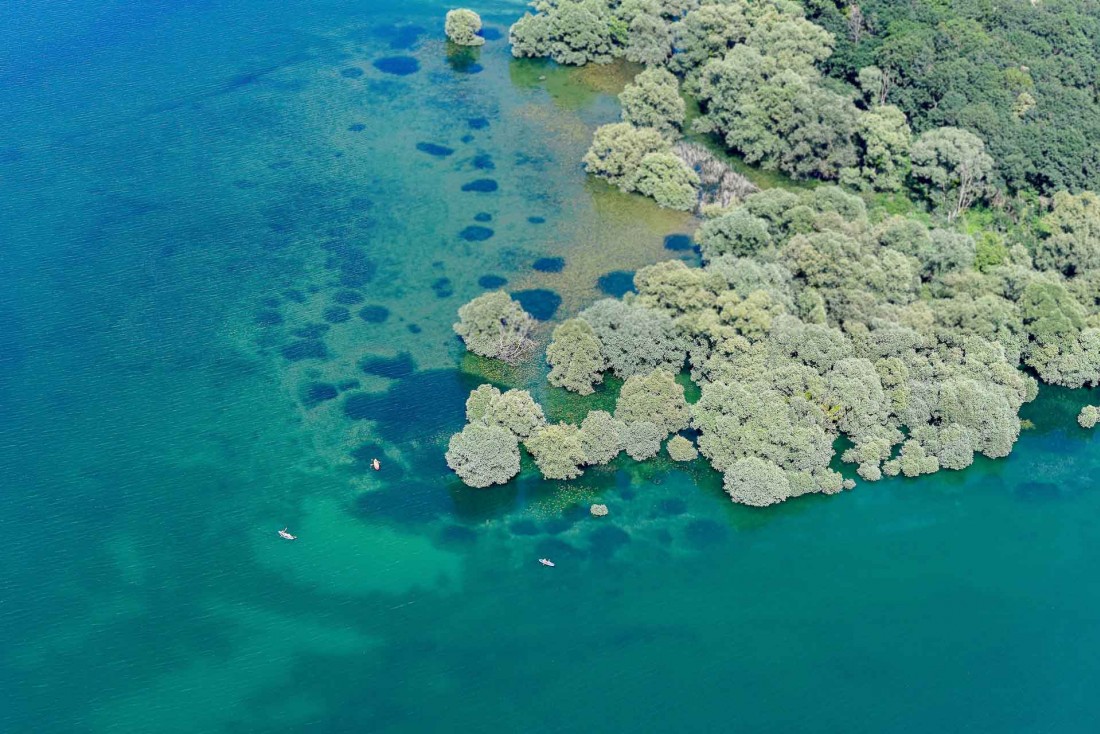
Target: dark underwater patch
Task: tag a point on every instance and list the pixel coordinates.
(1038, 492)
(268, 318)
(374, 314)
(305, 349)
(671, 507)
(484, 162)
(702, 533)
(345, 385)
(295, 295)
(678, 242)
(478, 123)
(524, 527)
(439, 151)
(348, 298)
(617, 283)
(457, 535)
(467, 138)
(397, 65)
(443, 288)
(541, 303)
(475, 233)
(607, 539)
(392, 367)
(481, 186)
(414, 328)
(336, 314)
(490, 33)
(549, 264)
(423, 404)
(315, 393)
(10, 155)
(352, 72)
(492, 282)
(537, 220)
(464, 62)
(483, 217)
(356, 127)
(311, 331)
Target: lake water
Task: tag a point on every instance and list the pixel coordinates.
(233, 238)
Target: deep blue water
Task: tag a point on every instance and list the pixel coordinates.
(228, 270)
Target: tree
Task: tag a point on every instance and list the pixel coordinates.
(681, 449)
(951, 168)
(755, 482)
(575, 356)
(649, 40)
(477, 405)
(1071, 240)
(601, 437)
(882, 138)
(1089, 416)
(462, 27)
(483, 455)
(618, 150)
(557, 450)
(708, 32)
(568, 31)
(636, 340)
(516, 411)
(642, 440)
(737, 233)
(653, 100)
(667, 180)
(493, 325)
(656, 398)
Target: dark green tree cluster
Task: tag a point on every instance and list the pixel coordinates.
(486, 451)
(1020, 75)
(753, 67)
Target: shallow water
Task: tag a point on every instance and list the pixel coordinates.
(229, 270)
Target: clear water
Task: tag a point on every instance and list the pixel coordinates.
(190, 194)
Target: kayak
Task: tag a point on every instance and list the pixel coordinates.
(287, 536)
(546, 562)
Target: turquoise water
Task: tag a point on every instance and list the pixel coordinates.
(231, 253)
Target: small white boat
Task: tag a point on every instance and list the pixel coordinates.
(376, 464)
(287, 536)
(546, 562)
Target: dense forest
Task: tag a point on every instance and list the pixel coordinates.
(894, 313)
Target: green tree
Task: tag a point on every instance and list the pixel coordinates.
(755, 482)
(656, 398)
(483, 455)
(493, 325)
(1089, 416)
(575, 356)
(462, 27)
(1071, 240)
(882, 138)
(951, 168)
(568, 31)
(636, 340)
(557, 450)
(601, 437)
(681, 449)
(653, 100)
(667, 180)
(618, 150)
(516, 411)
(642, 440)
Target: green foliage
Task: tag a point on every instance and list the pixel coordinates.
(483, 455)
(951, 169)
(576, 357)
(1020, 75)
(568, 31)
(642, 440)
(667, 180)
(516, 411)
(681, 449)
(653, 100)
(756, 482)
(557, 450)
(636, 340)
(462, 27)
(601, 437)
(656, 398)
(737, 233)
(639, 159)
(1071, 240)
(1089, 416)
(493, 325)
(477, 405)
(882, 138)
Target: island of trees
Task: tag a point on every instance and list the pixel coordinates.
(901, 330)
